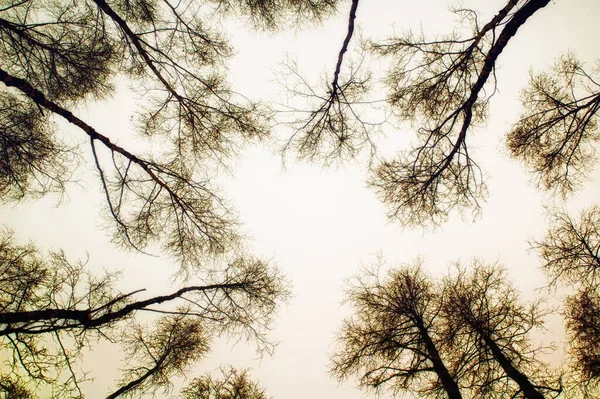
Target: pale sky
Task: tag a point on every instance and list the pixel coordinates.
(319, 225)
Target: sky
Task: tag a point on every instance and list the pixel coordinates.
(321, 224)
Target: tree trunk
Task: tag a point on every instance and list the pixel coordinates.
(528, 389)
(448, 382)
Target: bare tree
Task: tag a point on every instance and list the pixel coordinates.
(330, 124)
(467, 335)
(570, 251)
(556, 133)
(58, 54)
(570, 254)
(232, 384)
(444, 86)
(176, 342)
(394, 338)
(485, 319)
(52, 309)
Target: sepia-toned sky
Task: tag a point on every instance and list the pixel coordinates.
(319, 225)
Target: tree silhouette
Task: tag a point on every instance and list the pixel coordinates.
(465, 336)
(570, 254)
(233, 384)
(56, 57)
(52, 309)
(331, 127)
(62, 53)
(393, 338)
(485, 319)
(556, 133)
(443, 86)
(571, 248)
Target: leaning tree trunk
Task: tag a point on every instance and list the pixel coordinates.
(447, 380)
(528, 389)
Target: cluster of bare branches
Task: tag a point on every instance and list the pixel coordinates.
(480, 305)
(155, 356)
(443, 86)
(233, 384)
(583, 324)
(330, 126)
(61, 53)
(32, 162)
(55, 55)
(12, 388)
(571, 248)
(468, 335)
(558, 129)
(570, 254)
(52, 309)
(393, 339)
(271, 14)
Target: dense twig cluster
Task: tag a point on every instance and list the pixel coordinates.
(570, 253)
(232, 384)
(466, 336)
(444, 87)
(58, 54)
(47, 302)
(331, 126)
(556, 133)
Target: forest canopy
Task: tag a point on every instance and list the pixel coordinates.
(415, 115)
